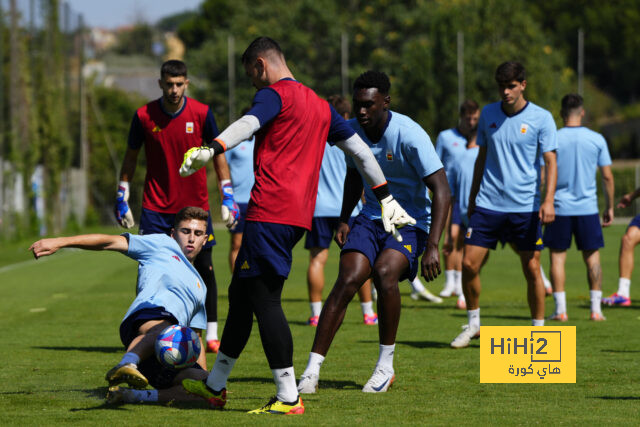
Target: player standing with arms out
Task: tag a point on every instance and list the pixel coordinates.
(407, 157)
(505, 196)
(292, 125)
(580, 152)
(167, 127)
(240, 163)
(450, 146)
(168, 292)
(631, 238)
(326, 218)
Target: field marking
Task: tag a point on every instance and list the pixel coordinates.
(21, 264)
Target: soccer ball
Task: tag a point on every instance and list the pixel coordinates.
(178, 347)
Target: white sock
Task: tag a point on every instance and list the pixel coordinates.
(546, 281)
(286, 384)
(130, 358)
(561, 302)
(474, 318)
(212, 331)
(316, 308)
(596, 297)
(461, 298)
(135, 396)
(416, 285)
(623, 287)
(537, 322)
(385, 359)
(449, 277)
(314, 364)
(217, 379)
(367, 308)
(458, 279)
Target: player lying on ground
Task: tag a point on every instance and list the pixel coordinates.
(169, 291)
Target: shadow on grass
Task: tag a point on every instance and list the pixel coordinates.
(619, 351)
(508, 317)
(424, 344)
(119, 349)
(617, 397)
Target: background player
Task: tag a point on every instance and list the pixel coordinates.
(169, 292)
(325, 221)
(580, 152)
(406, 155)
(631, 238)
(450, 146)
(167, 127)
(240, 163)
(505, 194)
(292, 125)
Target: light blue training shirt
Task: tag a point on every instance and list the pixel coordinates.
(511, 179)
(580, 152)
(167, 279)
(461, 180)
(331, 184)
(240, 161)
(450, 146)
(406, 155)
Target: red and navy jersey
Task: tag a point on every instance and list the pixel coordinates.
(287, 156)
(166, 137)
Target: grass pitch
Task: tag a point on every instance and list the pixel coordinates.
(60, 318)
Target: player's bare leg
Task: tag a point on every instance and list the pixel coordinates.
(530, 261)
(315, 281)
(594, 277)
(175, 393)
(389, 266)
(557, 260)
(236, 241)
(622, 297)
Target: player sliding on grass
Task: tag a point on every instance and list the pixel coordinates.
(292, 125)
(407, 157)
(580, 152)
(169, 292)
(505, 195)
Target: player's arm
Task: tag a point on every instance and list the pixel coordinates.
(628, 198)
(547, 210)
(93, 242)
(352, 193)
(122, 212)
(437, 183)
(478, 171)
(608, 184)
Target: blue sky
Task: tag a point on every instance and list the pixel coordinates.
(115, 13)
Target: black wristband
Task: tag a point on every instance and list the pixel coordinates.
(217, 147)
(381, 191)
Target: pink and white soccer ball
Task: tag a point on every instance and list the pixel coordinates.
(178, 347)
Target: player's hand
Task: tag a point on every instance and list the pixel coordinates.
(625, 201)
(341, 234)
(607, 217)
(229, 210)
(194, 159)
(44, 247)
(547, 212)
(430, 262)
(394, 216)
(121, 210)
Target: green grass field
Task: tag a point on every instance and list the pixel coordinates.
(60, 318)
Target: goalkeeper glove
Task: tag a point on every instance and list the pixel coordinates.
(394, 216)
(121, 209)
(229, 209)
(194, 159)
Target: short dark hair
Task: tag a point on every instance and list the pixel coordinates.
(190, 212)
(468, 106)
(173, 68)
(570, 102)
(370, 79)
(258, 46)
(341, 104)
(510, 71)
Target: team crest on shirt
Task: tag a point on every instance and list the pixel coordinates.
(408, 247)
(469, 231)
(189, 127)
(523, 128)
(389, 156)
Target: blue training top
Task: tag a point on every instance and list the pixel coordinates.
(167, 279)
(240, 161)
(450, 146)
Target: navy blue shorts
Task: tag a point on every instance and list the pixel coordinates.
(585, 228)
(487, 227)
(456, 216)
(635, 222)
(369, 238)
(152, 222)
(266, 249)
(321, 233)
(239, 227)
